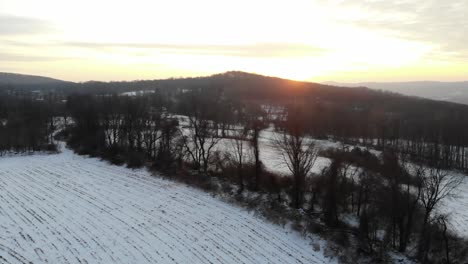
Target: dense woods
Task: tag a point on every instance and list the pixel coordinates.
(179, 126)
(25, 124)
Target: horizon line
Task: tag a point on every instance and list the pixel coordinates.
(329, 82)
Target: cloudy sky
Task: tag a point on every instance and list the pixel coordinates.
(317, 40)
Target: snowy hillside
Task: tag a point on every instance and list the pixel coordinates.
(66, 208)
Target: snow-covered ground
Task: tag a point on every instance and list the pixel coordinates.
(65, 208)
(273, 160)
(456, 207)
(135, 93)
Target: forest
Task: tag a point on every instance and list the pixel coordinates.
(391, 195)
(26, 125)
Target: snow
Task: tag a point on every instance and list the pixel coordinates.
(273, 160)
(456, 207)
(136, 93)
(65, 208)
(397, 257)
(351, 220)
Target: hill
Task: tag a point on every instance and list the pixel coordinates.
(444, 91)
(22, 79)
(247, 85)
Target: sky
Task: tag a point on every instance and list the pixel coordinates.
(313, 40)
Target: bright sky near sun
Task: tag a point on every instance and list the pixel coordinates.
(347, 41)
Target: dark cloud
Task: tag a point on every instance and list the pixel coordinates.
(261, 50)
(14, 25)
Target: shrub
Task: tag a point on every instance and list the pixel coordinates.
(51, 148)
(114, 154)
(165, 161)
(135, 159)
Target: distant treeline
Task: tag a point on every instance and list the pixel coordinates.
(427, 130)
(26, 124)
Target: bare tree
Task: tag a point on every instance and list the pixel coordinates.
(153, 133)
(299, 155)
(112, 122)
(200, 142)
(202, 136)
(255, 122)
(441, 221)
(410, 198)
(239, 146)
(436, 184)
(255, 129)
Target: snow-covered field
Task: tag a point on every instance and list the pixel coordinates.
(456, 207)
(65, 208)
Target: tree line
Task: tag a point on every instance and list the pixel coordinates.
(26, 124)
(429, 131)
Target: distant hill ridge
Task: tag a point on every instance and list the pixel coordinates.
(24, 79)
(444, 91)
(456, 92)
